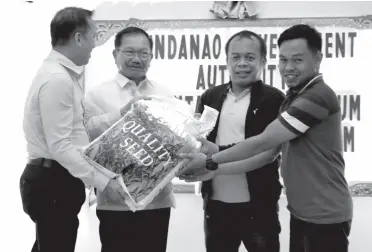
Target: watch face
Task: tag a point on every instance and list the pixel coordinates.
(211, 165)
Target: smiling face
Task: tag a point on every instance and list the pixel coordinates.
(297, 63)
(133, 57)
(244, 61)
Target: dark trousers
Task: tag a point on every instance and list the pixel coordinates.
(52, 198)
(310, 237)
(226, 225)
(140, 231)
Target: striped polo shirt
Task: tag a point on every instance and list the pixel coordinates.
(313, 165)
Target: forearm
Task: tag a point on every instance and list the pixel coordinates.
(243, 150)
(73, 160)
(225, 147)
(249, 164)
(97, 124)
(56, 102)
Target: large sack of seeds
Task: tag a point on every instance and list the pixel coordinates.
(143, 146)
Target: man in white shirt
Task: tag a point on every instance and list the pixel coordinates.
(52, 184)
(145, 230)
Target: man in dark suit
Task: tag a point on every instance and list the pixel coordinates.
(240, 203)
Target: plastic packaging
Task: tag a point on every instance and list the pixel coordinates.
(143, 145)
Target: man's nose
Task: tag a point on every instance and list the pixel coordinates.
(136, 58)
(289, 66)
(242, 62)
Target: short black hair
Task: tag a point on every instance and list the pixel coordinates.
(303, 31)
(66, 22)
(131, 30)
(249, 35)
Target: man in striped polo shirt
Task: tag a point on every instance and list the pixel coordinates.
(309, 130)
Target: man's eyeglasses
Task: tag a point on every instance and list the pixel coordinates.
(131, 54)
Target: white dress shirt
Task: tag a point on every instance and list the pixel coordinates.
(53, 119)
(232, 188)
(103, 103)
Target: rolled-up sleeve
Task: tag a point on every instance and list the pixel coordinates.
(56, 107)
(96, 121)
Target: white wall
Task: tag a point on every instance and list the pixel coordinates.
(161, 10)
(25, 42)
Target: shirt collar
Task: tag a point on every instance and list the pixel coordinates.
(242, 94)
(66, 62)
(123, 81)
(300, 88)
(253, 84)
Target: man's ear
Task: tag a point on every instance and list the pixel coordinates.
(150, 59)
(262, 66)
(264, 61)
(318, 59)
(115, 54)
(77, 38)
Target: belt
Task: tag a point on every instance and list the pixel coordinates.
(43, 162)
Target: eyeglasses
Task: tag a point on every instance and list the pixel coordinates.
(131, 54)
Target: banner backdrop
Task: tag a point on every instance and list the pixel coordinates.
(191, 60)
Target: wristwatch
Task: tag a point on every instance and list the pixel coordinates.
(210, 164)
